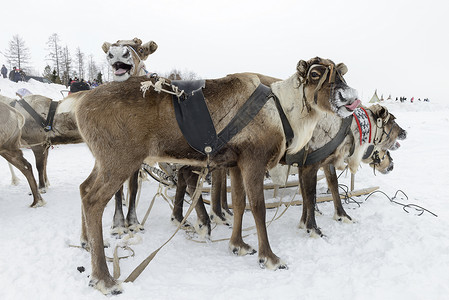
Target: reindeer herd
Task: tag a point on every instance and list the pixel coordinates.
(310, 120)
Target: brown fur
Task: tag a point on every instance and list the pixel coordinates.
(64, 131)
(341, 156)
(122, 128)
(11, 123)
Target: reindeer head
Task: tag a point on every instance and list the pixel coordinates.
(381, 161)
(324, 86)
(126, 57)
(386, 130)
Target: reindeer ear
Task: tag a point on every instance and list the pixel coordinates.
(383, 112)
(342, 68)
(302, 67)
(106, 47)
(149, 48)
(137, 41)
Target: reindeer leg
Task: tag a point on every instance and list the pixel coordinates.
(15, 157)
(181, 188)
(94, 202)
(131, 219)
(14, 179)
(332, 181)
(118, 228)
(236, 243)
(224, 196)
(41, 154)
(308, 181)
(84, 189)
(253, 173)
(217, 215)
(203, 228)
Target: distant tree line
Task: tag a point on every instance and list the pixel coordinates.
(62, 66)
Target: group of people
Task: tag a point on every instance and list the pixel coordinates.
(404, 99)
(15, 75)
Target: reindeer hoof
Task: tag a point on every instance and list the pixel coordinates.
(118, 232)
(136, 228)
(38, 203)
(276, 264)
(203, 230)
(108, 287)
(315, 232)
(224, 219)
(344, 219)
(242, 250)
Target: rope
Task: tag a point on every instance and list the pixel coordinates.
(348, 200)
(196, 195)
(146, 85)
(416, 207)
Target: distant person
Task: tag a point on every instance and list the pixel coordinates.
(4, 71)
(77, 86)
(12, 74)
(18, 75)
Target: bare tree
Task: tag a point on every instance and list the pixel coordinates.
(17, 54)
(79, 60)
(66, 64)
(92, 68)
(55, 54)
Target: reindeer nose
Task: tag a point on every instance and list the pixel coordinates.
(402, 135)
(390, 167)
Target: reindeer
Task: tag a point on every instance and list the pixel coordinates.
(11, 124)
(349, 152)
(63, 129)
(127, 57)
(122, 128)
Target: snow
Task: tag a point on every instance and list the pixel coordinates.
(387, 254)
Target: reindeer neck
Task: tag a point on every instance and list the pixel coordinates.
(355, 159)
(290, 94)
(140, 69)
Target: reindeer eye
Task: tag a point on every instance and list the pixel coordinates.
(141, 50)
(110, 55)
(315, 75)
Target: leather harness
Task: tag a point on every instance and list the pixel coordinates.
(47, 124)
(196, 124)
(304, 158)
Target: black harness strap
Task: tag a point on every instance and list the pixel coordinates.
(51, 115)
(368, 152)
(246, 113)
(47, 125)
(196, 124)
(288, 131)
(302, 158)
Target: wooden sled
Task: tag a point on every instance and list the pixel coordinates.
(319, 199)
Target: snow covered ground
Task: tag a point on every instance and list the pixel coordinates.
(387, 254)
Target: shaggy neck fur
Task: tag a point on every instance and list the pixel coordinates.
(359, 150)
(66, 105)
(290, 94)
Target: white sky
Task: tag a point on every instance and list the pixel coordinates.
(398, 47)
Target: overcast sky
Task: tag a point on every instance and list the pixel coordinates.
(397, 47)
